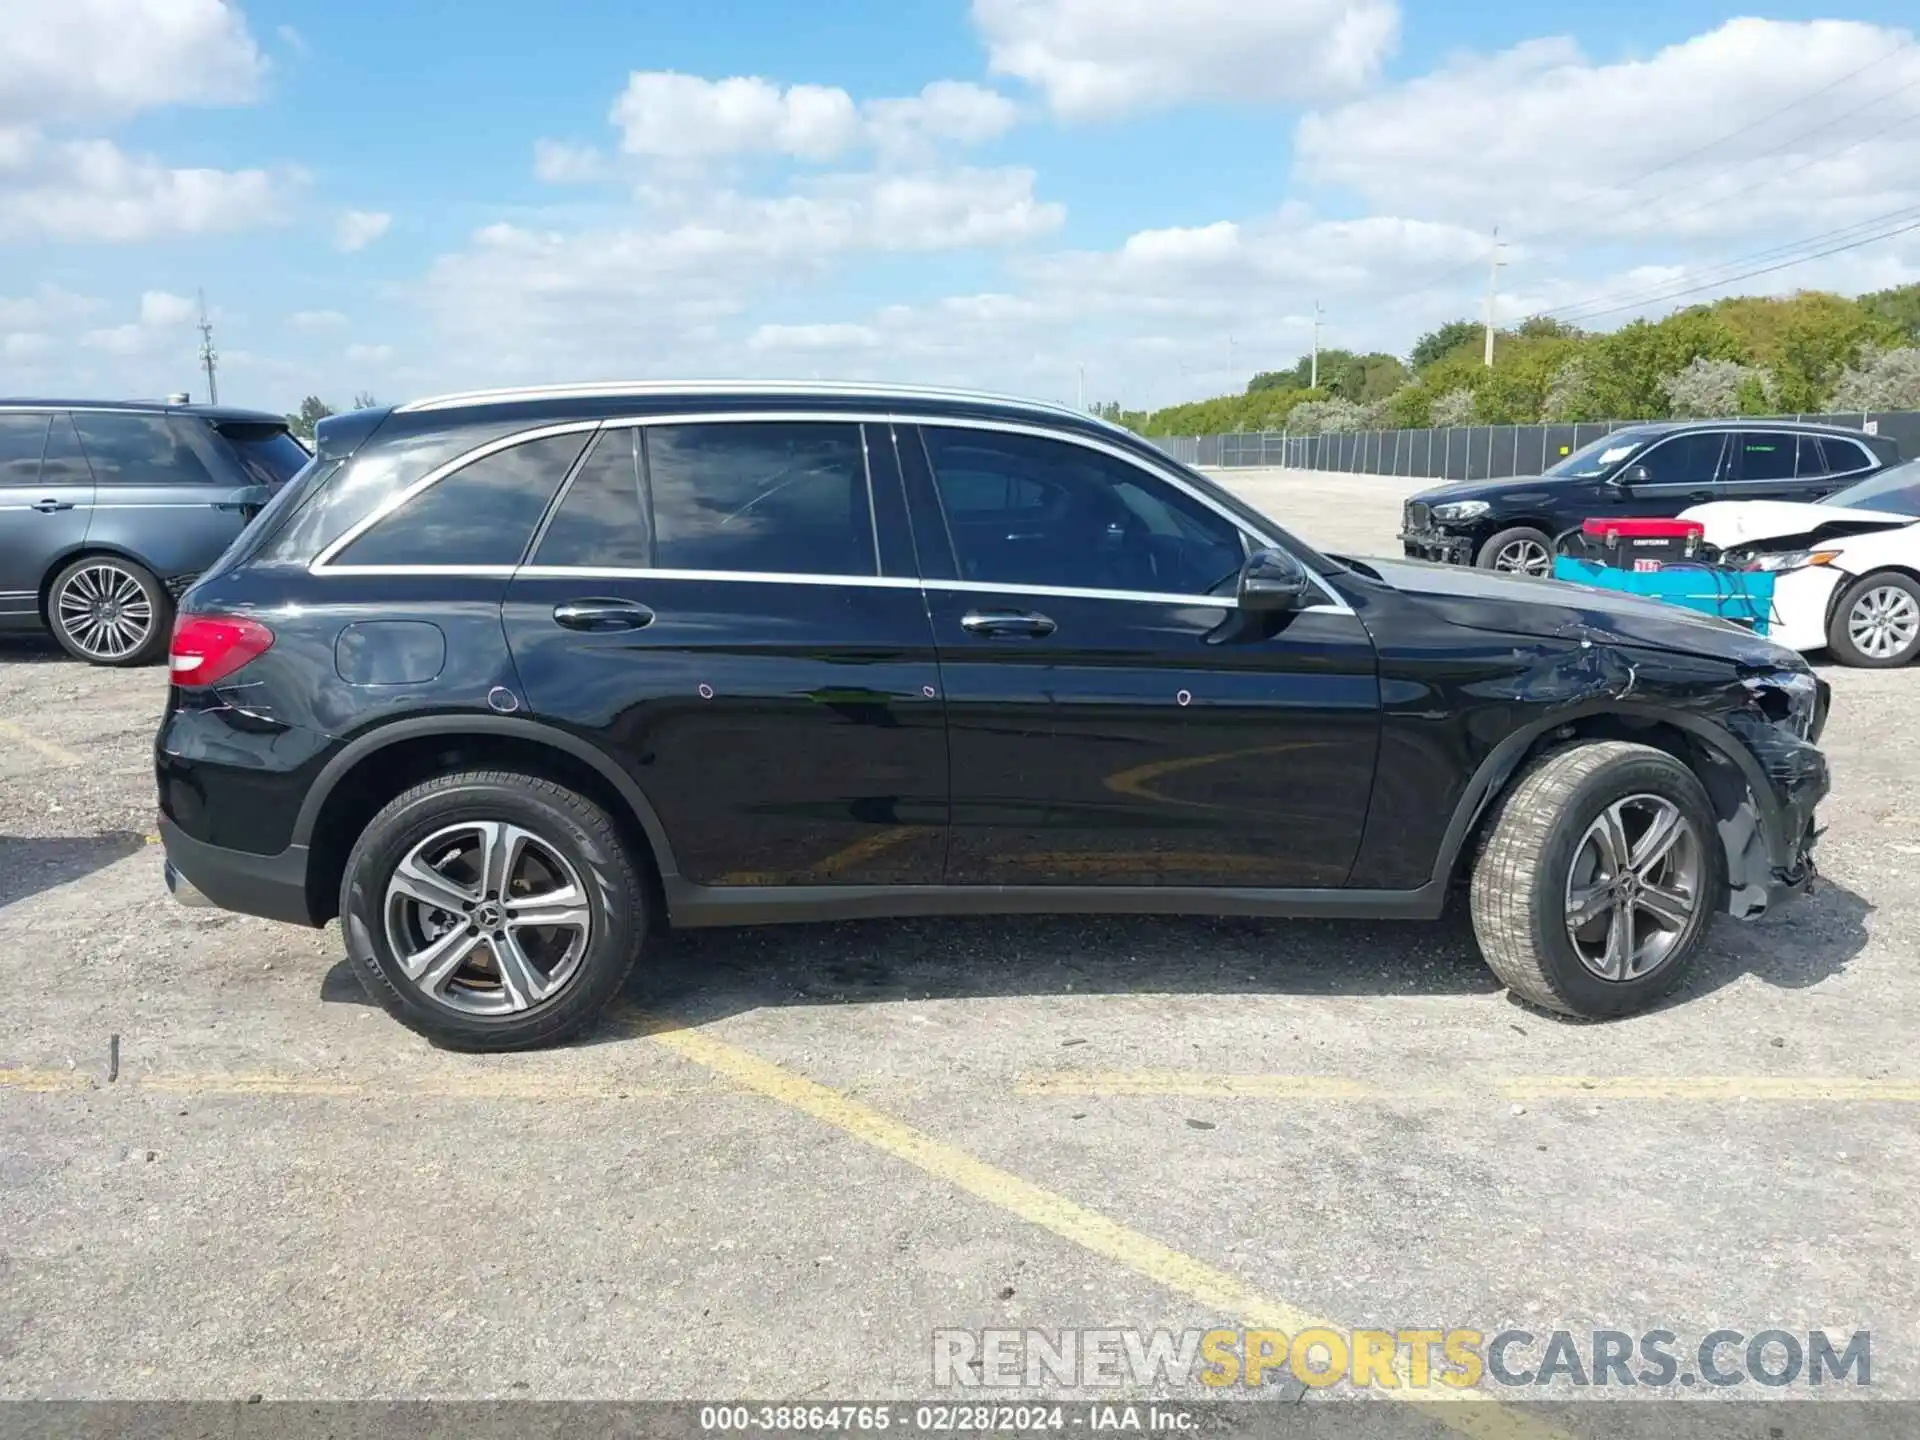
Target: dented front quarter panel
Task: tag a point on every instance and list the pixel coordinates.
(1479, 670)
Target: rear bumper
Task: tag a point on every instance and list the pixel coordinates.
(273, 887)
(1437, 545)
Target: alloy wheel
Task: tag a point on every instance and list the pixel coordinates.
(487, 918)
(1635, 887)
(104, 612)
(1884, 622)
(1523, 557)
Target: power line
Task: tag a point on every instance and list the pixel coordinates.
(1764, 270)
(1627, 185)
(1708, 275)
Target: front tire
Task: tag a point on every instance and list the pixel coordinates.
(1599, 875)
(492, 910)
(108, 610)
(1876, 625)
(1521, 550)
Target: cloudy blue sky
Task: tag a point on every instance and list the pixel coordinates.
(409, 197)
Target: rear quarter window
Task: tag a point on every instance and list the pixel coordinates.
(266, 454)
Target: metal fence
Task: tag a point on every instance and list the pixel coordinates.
(1465, 452)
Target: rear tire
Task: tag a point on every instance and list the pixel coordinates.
(1522, 550)
(109, 610)
(492, 910)
(1544, 863)
(1876, 625)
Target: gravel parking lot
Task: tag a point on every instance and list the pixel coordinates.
(800, 1151)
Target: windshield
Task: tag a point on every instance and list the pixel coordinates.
(268, 454)
(1591, 461)
(1894, 491)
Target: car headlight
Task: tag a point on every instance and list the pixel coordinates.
(1460, 510)
(1792, 560)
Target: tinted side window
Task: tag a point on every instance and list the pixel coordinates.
(268, 454)
(1843, 456)
(65, 462)
(1765, 455)
(1809, 461)
(760, 496)
(602, 521)
(140, 450)
(22, 438)
(1684, 460)
(481, 514)
(1070, 516)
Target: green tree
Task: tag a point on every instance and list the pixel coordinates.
(1899, 308)
(1437, 343)
(311, 412)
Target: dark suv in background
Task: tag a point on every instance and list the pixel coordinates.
(506, 681)
(1647, 470)
(109, 511)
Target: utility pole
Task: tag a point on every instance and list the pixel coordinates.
(208, 357)
(1083, 388)
(1493, 285)
(1313, 381)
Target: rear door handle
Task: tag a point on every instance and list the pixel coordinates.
(601, 615)
(48, 507)
(1021, 624)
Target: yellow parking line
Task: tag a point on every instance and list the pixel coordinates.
(45, 1081)
(1202, 1086)
(1089, 1229)
(59, 754)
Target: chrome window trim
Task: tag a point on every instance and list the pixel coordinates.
(322, 564)
(1079, 592)
(757, 577)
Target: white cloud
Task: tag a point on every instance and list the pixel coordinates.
(1093, 58)
(946, 110)
(369, 354)
(293, 40)
(312, 320)
(1545, 141)
(159, 308)
(774, 338)
(79, 60)
(632, 299)
(666, 115)
(93, 190)
(562, 162)
(357, 229)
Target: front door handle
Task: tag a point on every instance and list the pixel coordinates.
(1022, 624)
(48, 507)
(601, 615)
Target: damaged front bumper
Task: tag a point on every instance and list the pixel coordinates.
(1437, 545)
(1769, 831)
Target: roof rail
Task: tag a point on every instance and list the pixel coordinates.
(614, 389)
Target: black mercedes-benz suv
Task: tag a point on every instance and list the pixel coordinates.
(108, 510)
(1645, 470)
(508, 681)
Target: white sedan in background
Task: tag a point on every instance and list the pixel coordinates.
(1846, 569)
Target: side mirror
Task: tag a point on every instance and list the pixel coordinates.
(1273, 581)
(1631, 476)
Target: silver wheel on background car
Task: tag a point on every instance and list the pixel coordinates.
(487, 918)
(1523, 557)
(104, 611)
(1884, 622)
(1635, 887)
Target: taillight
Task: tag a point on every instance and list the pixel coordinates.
(208, 648)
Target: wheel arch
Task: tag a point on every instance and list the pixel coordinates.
(353, 786)
(1730, 775)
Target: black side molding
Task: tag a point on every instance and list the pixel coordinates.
(701, 905)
